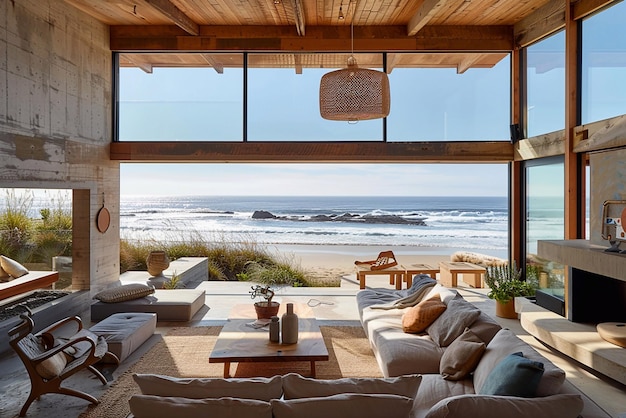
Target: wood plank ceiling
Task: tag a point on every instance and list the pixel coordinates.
(459, 34)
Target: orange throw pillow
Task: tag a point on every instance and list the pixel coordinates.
(417, 318)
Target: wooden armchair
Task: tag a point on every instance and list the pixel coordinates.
(56, 353)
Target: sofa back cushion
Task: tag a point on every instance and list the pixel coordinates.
(148, 406)
(297, 387)
(505, 343)
(260, 388)
(484, 406)
(344, 405)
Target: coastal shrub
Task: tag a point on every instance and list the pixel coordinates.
(16, 226)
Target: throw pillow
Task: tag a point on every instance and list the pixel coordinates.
(483, 406)
(296, 386)
(458, 315)
(462, 356)
(417, 318)
(261, 388)
(344, 405)
(12, 267)
(148, 406)
(505, 343)
(125, 292)
(515, 375)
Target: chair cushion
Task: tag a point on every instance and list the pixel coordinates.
(12, 267)
(125, 292)
(462, 356)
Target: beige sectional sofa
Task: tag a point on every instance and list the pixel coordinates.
(484, 371)
(400, 353)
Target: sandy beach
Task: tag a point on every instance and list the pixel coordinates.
(330, 262)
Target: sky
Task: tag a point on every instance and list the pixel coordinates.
(315, 179)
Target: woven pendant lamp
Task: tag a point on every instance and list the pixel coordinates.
(354, 93)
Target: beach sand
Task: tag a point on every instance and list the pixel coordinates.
(328, 263)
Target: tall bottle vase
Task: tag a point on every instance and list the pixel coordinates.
(289, 325)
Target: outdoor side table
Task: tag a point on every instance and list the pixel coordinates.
(395, 273)
(449, 271)
(413, 269)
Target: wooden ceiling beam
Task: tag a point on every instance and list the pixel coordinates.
(298, 11)
(219, 68)
(339, 152)
(547, 19)
(467, 63)
(180, 19)
(317, 39)
(426, 11)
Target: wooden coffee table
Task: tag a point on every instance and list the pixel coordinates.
(238, 342)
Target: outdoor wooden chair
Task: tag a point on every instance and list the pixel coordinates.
(50, 356)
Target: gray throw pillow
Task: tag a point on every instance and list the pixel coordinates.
(459, 315)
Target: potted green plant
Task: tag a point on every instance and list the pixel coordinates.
(266, 308)
(505, 285)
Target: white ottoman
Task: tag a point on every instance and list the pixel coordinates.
(125, 332)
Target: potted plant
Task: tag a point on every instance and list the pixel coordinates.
(505, 284)
(266, 308)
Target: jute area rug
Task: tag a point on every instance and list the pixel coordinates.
(184, 352)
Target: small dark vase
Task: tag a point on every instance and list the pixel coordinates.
(265, 310)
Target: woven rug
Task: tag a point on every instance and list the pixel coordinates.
(184, 352)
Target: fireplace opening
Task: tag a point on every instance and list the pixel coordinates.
(594, 298)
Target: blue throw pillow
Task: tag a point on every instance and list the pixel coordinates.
(515, 375)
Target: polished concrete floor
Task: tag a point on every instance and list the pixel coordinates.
(332, 306)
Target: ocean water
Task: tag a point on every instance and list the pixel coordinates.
(471, 223)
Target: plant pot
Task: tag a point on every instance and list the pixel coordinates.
(506, 309)
(265, 310)
(156, 262)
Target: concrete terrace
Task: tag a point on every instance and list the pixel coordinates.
(332, 306)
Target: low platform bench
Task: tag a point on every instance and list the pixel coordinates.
(30, 281)
(169, 305)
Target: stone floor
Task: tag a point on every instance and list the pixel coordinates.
(332, 306)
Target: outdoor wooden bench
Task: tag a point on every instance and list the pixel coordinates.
(413, 269)
(31, 281)
(449, 271)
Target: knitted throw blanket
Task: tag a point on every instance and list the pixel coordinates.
(421, 286)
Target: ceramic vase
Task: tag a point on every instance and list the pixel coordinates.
(289, 326)
(156, 262)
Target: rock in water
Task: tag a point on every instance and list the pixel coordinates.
(263, 214)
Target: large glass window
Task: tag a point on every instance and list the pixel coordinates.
(604, 64)
(545, 85)
(545, 214)
(197, 97)
(439, 104)
(283, 103)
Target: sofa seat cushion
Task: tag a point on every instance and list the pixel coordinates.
(485, 406)
(434, 388)
(505, 343)
(397, 352)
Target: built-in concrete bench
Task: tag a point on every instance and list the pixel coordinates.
(191, 271)
(576, 340)
(31, 281)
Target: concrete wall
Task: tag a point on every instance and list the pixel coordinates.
(608, 182)
(55, 122)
